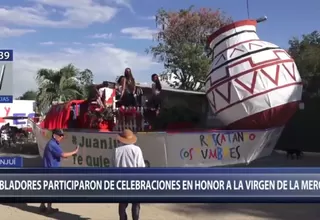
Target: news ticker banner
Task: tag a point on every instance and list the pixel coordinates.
(6, 76)
(160, 185)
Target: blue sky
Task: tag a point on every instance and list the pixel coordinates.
(108, 35)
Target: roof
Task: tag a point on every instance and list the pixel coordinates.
(166, 87)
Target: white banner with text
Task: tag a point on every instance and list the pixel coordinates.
(160, 149)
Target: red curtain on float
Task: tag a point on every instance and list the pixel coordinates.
(59, 114)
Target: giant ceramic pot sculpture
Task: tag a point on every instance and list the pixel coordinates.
(252, 84)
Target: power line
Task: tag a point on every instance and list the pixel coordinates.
(248, 10)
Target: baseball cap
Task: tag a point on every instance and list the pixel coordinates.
(58, 132)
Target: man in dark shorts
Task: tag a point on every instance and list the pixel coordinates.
(51, 159)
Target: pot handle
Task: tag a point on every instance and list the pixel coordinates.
(261, 19)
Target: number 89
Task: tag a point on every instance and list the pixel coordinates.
(4, 55)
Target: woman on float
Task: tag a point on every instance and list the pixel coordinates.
(119, 90)
(156, 90)
(128, 93)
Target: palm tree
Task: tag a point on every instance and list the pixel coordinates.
(60, 86)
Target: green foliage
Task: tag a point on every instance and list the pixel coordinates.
(86, 81)
(182, 42)
(301, 131)
(91, 92)
(105, 115)
(306, 53)
(28, 95)
(62, 85)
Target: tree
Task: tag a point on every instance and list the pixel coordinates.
(62, 85)
(28, 95)
(306, 53)
(182, 41)
(86, 81)
(301, 131)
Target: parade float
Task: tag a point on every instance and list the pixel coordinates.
(253, 88)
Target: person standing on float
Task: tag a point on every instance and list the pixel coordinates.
(156, 91)
(51, 159)
(119, 90)
(128, 155)
(128, 95)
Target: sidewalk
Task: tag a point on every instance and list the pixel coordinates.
(168, 212)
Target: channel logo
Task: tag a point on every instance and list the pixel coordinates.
(3, 71)
(11, 162)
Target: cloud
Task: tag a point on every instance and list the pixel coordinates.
(101, 44)
(47, 43)
(153, 17)
(102, 36)
(150, 17)
(74, 13)
(72, 51)
(124, 3)
(13, 32)
(105, 61)
(139, 32)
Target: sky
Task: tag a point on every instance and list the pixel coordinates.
(106, 36)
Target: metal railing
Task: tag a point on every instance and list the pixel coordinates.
(129, 118)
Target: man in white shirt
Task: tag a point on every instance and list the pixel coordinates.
(128, 155)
